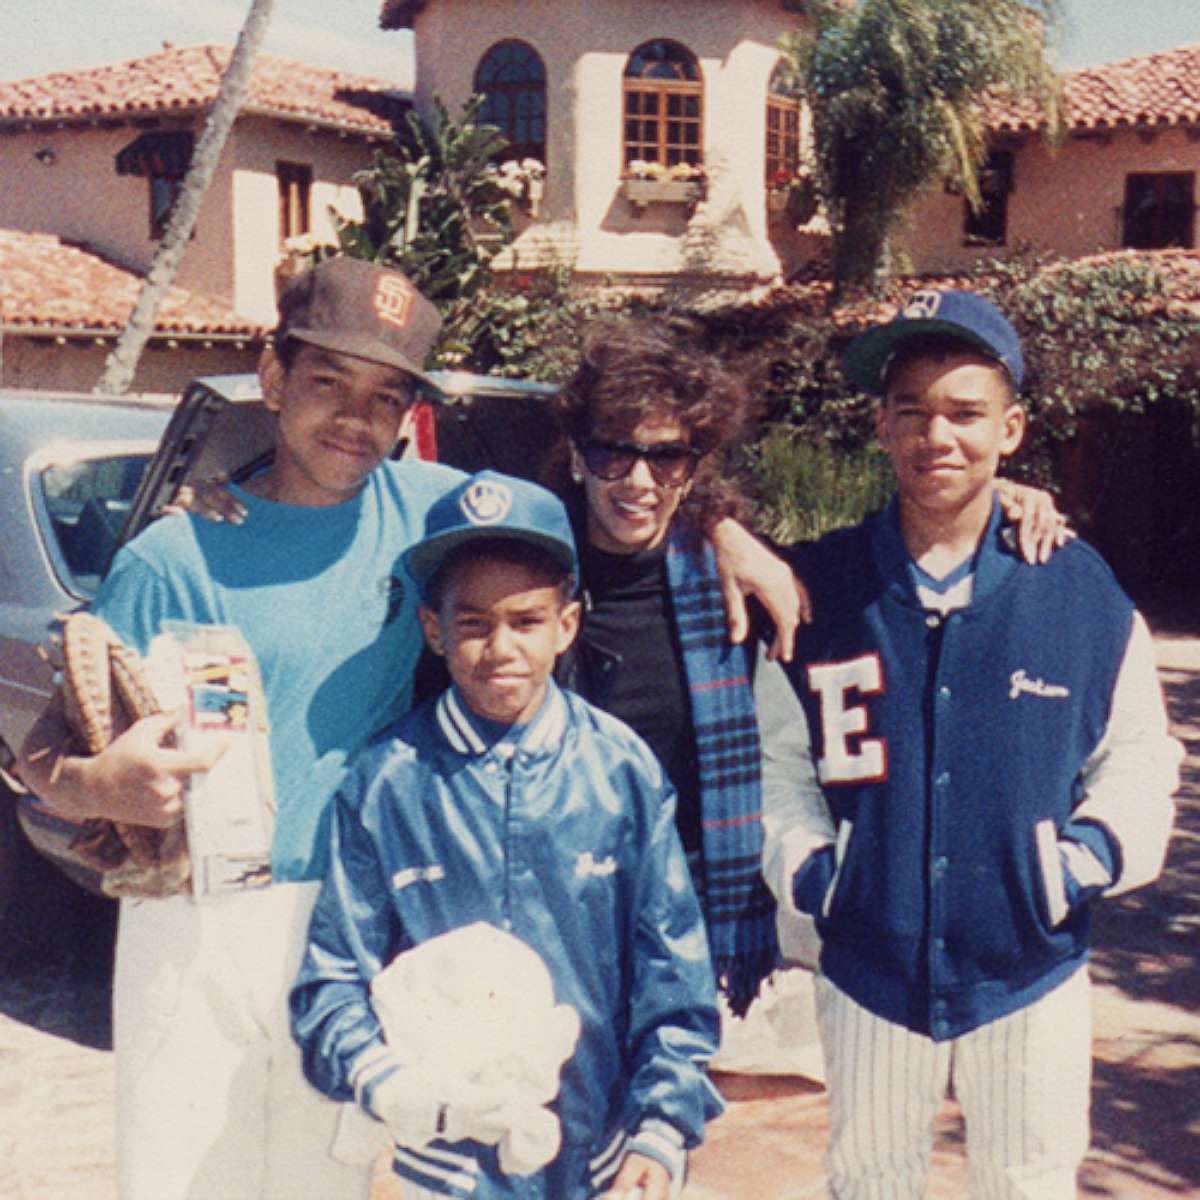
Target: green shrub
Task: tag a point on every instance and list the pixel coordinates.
(807, 487)
(524, 325)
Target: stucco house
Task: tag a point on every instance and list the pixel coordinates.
(596, 88)
(603, 93)
(90, 163)
(1124, 176)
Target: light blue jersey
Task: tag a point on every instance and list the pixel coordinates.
(321, 596)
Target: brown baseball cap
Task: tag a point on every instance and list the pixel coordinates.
(362, 309)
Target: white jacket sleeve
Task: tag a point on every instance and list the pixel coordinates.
(1130, 777)
(796, 819)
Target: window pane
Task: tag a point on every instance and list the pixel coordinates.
(662, 60)
(512, 79)
(663, 81)
(87, 502)
(1159, 211)
(294, 184)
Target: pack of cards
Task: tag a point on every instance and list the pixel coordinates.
(208, 676)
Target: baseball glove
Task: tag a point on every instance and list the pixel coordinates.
(104, 692)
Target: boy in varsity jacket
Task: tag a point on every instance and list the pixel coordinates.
(511, 802)
(983, 752)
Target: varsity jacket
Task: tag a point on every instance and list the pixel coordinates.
(975, 777)
(566, 839)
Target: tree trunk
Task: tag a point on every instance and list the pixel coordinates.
(861, 252)
(121, 364)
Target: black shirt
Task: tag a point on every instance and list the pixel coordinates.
(631, 666)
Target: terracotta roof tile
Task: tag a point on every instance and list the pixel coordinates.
(46, 283)
(1156, 89)
(185, 79)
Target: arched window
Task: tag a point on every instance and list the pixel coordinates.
(511, 77)
(664, 105)
(783, 128)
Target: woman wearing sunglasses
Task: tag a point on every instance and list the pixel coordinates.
(648, 421)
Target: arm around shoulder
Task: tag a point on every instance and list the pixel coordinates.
(748, 568)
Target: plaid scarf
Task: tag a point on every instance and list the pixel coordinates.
(739, 909)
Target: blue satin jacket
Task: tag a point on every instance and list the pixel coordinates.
(565, 837)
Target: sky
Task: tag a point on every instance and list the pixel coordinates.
(53, 35)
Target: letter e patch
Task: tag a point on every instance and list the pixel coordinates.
(848, 756)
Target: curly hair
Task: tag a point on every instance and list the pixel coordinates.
(637, 369)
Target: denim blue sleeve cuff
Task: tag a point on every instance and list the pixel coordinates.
(1099, 841)
(811, 882)
(1089, 861)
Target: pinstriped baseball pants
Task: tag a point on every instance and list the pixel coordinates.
(1022, 1081)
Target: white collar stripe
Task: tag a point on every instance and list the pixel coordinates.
(458, 728)
(550, 727)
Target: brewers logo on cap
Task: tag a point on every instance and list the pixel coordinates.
(393, 300)
(485, 502)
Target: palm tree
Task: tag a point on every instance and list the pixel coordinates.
(897, 90)
(122, 362)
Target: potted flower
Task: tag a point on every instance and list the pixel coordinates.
(777, 190)
(792, 198)
(523, 181)
(654, 183)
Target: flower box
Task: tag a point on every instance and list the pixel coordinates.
(641, 192)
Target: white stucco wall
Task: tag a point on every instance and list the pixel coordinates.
(1067, 201)
(256, 146)
(585, 45)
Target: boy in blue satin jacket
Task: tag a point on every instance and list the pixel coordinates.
(511, 802)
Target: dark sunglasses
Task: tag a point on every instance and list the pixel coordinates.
(670, 463)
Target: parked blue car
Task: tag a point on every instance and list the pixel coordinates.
(79, 475)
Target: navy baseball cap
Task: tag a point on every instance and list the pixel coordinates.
(491, 505)
(964, 316)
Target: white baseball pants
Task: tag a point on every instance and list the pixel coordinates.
(211, 1101)
(1022, 1081)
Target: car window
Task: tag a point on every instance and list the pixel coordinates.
(86, 500)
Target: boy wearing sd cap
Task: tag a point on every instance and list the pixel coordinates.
(211, 1099)
(510, 802)
(986, 752)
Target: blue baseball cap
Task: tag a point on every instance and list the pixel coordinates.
(491, 505)
(964, 316)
